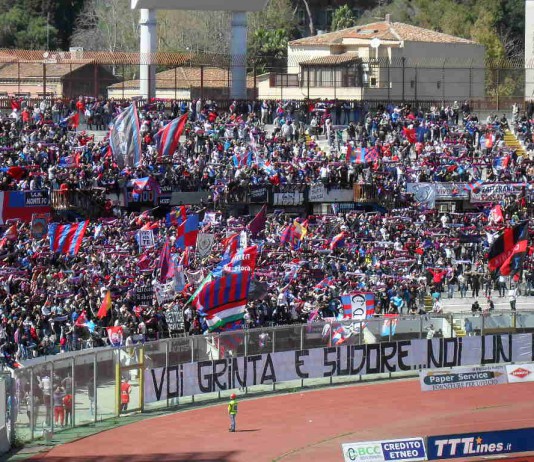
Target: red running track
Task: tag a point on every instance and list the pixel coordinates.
(308, 426)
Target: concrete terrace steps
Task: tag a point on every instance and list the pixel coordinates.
(458, 329)
(511, 141)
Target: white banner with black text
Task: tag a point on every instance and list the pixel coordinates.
(407, 355)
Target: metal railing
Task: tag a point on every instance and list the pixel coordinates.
(92, 378)
(489, 84)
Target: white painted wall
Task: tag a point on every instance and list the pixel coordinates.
(295, 55)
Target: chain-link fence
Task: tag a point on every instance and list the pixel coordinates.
(74, 389)
(425, 82)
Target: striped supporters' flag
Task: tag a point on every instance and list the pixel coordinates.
(67, 239)
(358, 306)
(168, 137)
(223, 300)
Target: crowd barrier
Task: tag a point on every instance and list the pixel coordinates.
(184, 370)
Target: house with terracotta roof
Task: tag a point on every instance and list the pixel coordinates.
(29, 73)
(386, 61)
(185, 82)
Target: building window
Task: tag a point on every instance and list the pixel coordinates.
(412, 83)
(439, 84)
(327, 77)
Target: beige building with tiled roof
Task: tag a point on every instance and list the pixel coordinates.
(388, 61)
(185, 82)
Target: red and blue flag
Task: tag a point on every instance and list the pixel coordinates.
(187, 232)
(168, 137)
(166, 264)
(231, 244)
(356, 155)
(67, 239)
(340, 335)
(338, 241)
(176, 216)
(474, 186)
(358, 306)
(242, 159)
(222, 301)
(324, 284)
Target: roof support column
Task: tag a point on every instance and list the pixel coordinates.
(238, 48)
(148, 46)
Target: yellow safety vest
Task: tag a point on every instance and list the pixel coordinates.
(232, 407)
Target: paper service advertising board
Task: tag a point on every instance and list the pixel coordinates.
(407, 449)
(462, 377)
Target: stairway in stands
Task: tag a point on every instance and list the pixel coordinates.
(459, 331)
(511, 141)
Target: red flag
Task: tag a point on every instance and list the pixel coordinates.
(243, 260)
(15, 104)
(495, 215)
(74, 120)
(148, 226)
(257, 224)
(16, 172)
(409, 133)
(81, 319)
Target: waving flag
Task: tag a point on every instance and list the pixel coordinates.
(338, 241)
(257, 225)
(115, 335)
(67, 239)
(176, 216)
(501, 162)
(166, 265)
(232, 243)
(389, 325)
(105, 306)
(168, 137)
(243, 260)
(508, 251)
(125, 139)
(11, 233)
(355, 155)
(373, 155)
(294, 233)
(242, 159)
(187, 232)
(409, 134)
(142, 184)
(495, 215)
(223, 300)
(325, 284)
(340, 335)
(474, 187)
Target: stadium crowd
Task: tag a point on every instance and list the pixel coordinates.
(49, 302)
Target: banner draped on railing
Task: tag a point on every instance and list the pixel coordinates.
(195, 378)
